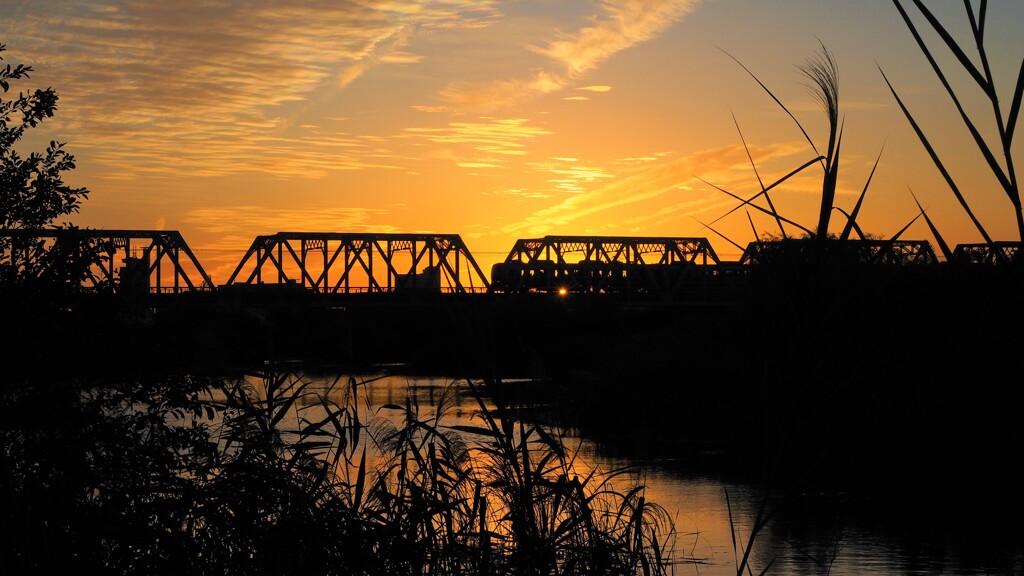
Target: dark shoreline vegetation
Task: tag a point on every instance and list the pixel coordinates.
(268, 474)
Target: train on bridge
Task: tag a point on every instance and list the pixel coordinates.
(150, 261)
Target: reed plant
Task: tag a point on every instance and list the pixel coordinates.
(821, 74)
(279, 473)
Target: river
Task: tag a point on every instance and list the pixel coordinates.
(808, 532)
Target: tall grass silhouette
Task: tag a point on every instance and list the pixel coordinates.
(821, 78)
(279, 473)
(1002, 169)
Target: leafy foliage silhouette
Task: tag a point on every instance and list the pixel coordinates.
(33, 195)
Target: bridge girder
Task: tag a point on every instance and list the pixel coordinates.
(338, 262)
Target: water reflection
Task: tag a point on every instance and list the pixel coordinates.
(809, 533)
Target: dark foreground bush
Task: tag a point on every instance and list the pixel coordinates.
(276, 475)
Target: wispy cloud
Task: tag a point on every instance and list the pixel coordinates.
(233, 220)
(385, 49)
(486, 144)
(620, 25)
(670, 181)
(526, 193)
(502, 92)
(634, 160)
(203, 87)
(429, 109)
(617, 26)
(570, 175)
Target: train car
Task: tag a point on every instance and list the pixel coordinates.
(594, 277)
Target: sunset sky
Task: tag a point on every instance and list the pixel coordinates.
(494, 120)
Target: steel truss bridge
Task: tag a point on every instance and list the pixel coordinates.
(153, 260)
(160, 261)
(994, 254)
(604, 264)
(332, 263)
(899, 253)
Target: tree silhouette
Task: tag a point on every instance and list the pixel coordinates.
(33, 195)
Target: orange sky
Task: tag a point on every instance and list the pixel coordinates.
(492, 120)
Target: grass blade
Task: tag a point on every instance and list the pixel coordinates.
(752, 227)
(828, 191)
(977, 25)
(946, 252)
(897, 235)
(851, 221)
(755, 206)
(723, 236)
(1011, 120)
(760, 182)
(765, 191)
(946, 37)
(732, 530)
(777, 101)
(938, 163)
(986, 87)
(474, 430)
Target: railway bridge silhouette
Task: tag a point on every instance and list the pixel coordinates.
(340, 263)
(424, 298)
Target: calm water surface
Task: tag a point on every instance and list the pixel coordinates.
(813, 533)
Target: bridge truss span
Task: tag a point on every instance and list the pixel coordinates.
(990, 254)
(606, 264)
(157, 261)
(802, 251)
(613, 249)
(344, 263)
